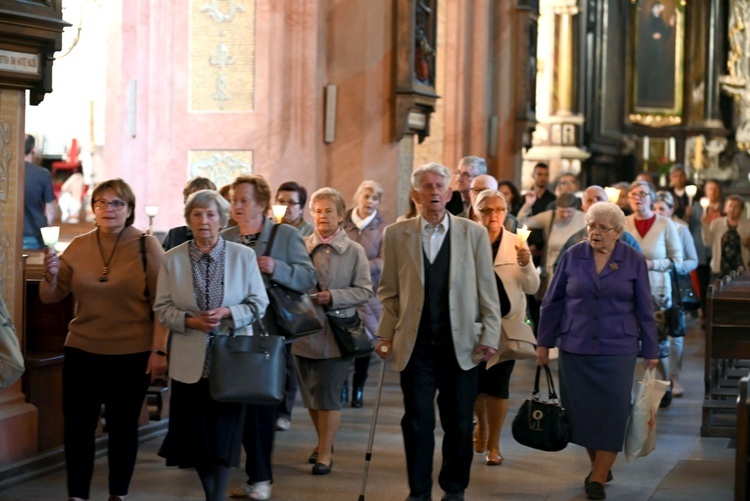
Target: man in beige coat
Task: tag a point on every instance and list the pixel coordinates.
(441, 317)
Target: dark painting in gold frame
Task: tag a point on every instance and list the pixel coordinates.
(658, 33)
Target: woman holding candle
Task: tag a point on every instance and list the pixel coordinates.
(114, 348)
(712, 205)
(287, 264)
(516, 276)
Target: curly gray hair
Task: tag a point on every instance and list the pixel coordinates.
(435, 168)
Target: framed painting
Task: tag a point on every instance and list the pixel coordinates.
(658, 33)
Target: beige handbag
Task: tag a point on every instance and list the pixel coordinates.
(517, 341)
(11, 358)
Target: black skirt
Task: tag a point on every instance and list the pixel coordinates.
(495, 380)
(202, 431)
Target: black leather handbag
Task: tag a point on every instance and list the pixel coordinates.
(292, 313)
(542, 425)
(248, 369)
(675, 315)
(350, 336)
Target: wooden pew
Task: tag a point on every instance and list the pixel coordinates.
(727, 349)
(742, 456)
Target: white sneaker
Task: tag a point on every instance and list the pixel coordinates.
(283, 424)
(258, 490)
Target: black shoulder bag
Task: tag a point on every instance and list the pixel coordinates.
(541, 424)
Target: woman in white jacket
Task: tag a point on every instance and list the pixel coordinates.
(728, 237)
(661, 245)
(664, 206)
(516, 276)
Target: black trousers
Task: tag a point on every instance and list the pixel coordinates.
(434, 370)
(361, 368)
(119, 382)
(258, 441)
(290, 385)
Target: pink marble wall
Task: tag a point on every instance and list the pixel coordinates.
(301, 45)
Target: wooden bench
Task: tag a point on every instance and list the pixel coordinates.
(726, 353)
(742, 456)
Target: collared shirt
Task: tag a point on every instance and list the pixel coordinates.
(434, 236)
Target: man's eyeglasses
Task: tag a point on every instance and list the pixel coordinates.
(599, 228)
(115, 205)
(288, 203)
(466, 175)
(489, 212)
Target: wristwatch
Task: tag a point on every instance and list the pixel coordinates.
(159, 352)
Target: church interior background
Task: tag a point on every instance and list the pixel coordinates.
(332, 92)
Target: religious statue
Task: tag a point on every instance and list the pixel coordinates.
(737, 82)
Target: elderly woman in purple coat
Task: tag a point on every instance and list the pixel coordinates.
(598, 312)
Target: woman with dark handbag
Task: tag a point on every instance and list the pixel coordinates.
(282, 259)
(208, 287)
(661, 244)
(516, 276)
(665, 206)
(597, 311)
(364, 224)
(344, 278)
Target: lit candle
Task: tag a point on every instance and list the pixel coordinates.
(705, 202)
(523, 234)
(50, 235)
(613, 194)
(698, 152)
(645, 148)
(691, 190)
(672, 149)
(278, 212)
(151, 210)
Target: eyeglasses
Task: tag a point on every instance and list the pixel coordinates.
(115, 205)
(489, 212)
(639, 194)
(466, 175)
(599, 228)
(288, 203)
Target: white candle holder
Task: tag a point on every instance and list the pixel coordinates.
(278, 212)
(523, 234)
(613, 194)
(51, 235)
(151, 212)
(691, 190)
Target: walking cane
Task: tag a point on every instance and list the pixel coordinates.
(368, 454)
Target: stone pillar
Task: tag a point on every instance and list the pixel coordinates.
(18, 420)
(558, 137)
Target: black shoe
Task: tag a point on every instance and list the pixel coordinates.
(419, 497)
(322, 469)
(357, 398)
(314, 457)
(610, 477)
(595, 490)
(345, 395)
(667, 398)
(453, 496)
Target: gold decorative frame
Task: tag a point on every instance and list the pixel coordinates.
(655, 113)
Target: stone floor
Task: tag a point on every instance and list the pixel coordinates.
(684, 466)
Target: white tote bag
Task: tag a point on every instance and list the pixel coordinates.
(517, 341)
(640, 438)
(11, 359)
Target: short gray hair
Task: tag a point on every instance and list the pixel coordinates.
(477, 165)
(368, 185)
(204, 198)
(435, 168)
(332, 194)
(486, 194)
(647, 185)
(609, 212)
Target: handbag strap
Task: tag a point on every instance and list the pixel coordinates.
(552, 394)
(269, 245)
(258, 321)
(675, 285)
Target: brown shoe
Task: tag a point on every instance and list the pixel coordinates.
(493, 458)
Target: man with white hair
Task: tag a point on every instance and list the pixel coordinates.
(478, 185)
(468, 169)
(441, 317)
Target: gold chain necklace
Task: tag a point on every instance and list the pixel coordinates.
(105, 269)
